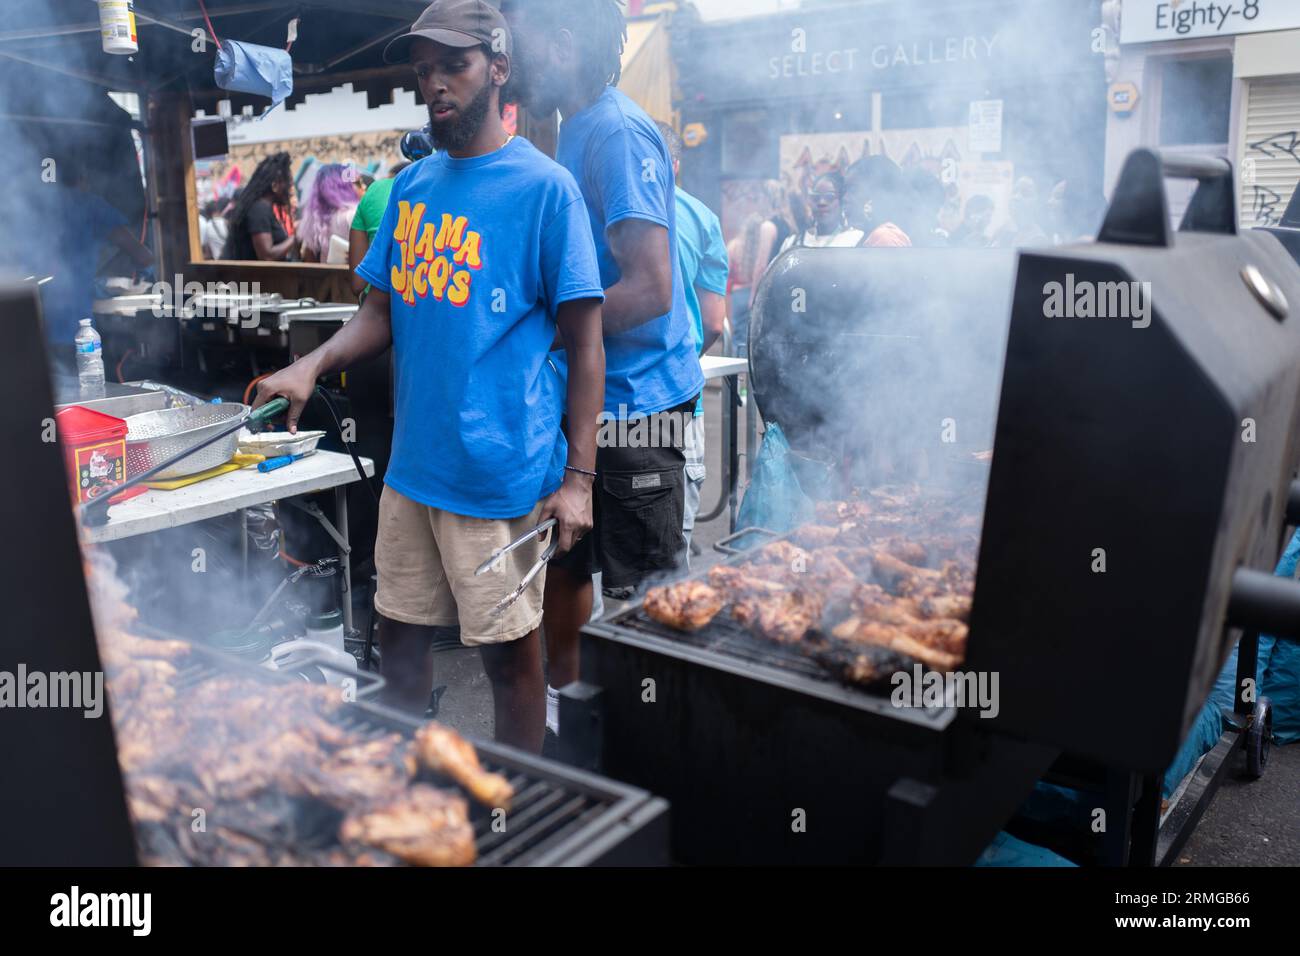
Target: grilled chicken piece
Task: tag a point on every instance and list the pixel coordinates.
(444, 751)
(896, 499)
(914, 618)
(856, 630)
(786, 617)
(736, 584)
(239, 771)
(836, 512)
(790, 567)
(907, 580)
(360, 773)
(862, 665)
(149, 737)
(423, 825)
(897, 576)
(943, 635)
(154, 799)
(784, 553)
(686, 606)
(119, 646)
(130, 680)
(912, 552)
(953, 606)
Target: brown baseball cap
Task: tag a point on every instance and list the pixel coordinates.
(459, 23)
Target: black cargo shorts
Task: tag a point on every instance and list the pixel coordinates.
(639, 500)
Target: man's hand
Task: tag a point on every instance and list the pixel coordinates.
(571, 508)
(296, 383)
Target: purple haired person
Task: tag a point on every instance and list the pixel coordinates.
(328, 213)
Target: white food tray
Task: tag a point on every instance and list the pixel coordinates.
(275, 444)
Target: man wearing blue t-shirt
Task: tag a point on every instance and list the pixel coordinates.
(568, 58)
(702, 254)
(483, 251)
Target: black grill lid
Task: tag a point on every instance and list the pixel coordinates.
(1135, 469)
(852, 349)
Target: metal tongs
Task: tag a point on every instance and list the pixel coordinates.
(535, 570)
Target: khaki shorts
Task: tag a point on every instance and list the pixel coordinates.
(426, 560)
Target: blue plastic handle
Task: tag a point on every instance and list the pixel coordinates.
(271, 464)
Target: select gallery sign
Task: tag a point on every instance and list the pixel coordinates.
(852, 48)
(1150, 21)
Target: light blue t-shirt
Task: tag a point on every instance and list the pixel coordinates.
(623, 167)
(478, 254)
(702, 253)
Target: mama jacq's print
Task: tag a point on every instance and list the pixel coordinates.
(436, 257)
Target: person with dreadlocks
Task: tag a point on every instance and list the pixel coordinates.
(255, 229)
(484, 251)
(568, 58)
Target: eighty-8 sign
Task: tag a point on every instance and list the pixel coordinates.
(1150, 21)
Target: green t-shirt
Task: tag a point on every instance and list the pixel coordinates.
(370, 211)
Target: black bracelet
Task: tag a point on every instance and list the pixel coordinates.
(581, 471)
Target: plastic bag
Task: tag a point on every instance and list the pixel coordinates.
(774, 500)
(249, 68)
(1006, 850)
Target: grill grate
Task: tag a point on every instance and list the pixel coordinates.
(543, 815)
(548, 813)
(725, 636)
(778, 664)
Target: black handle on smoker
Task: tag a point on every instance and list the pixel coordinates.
(1139, 209)
(1265, 603)
(1203, 168)
(724, 546)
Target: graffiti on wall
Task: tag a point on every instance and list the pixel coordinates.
(1267, 204)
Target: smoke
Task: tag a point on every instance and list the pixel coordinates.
(883, 365)
(59, 132)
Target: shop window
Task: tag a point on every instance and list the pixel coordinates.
(1195, 100)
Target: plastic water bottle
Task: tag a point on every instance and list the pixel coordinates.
(90, 361)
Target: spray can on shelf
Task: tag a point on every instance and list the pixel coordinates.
(117, 26)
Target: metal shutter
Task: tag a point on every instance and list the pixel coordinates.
(1272, 140)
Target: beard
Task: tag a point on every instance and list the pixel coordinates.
(459, 133)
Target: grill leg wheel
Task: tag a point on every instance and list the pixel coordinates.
(1259, 738)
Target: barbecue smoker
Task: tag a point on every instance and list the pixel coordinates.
(1135, 504)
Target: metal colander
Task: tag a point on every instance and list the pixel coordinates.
(154, 437)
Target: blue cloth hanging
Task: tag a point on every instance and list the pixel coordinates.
(260, 70)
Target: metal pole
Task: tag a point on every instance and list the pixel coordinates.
(345, 561)
(732, 397)
(152, 197)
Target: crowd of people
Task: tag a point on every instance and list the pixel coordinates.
(875, 203)
(332, 221)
